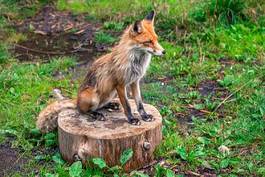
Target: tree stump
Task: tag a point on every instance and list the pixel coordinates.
(82, 137)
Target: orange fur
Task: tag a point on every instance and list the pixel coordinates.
(111, 73)
(125, 65)
(47, 119)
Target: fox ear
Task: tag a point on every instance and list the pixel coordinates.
(150, 16)
(137, 27)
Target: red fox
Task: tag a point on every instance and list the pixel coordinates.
(112, 73)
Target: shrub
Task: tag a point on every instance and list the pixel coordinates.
(227, 11)
(220, 11)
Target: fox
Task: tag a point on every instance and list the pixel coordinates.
(112, 74)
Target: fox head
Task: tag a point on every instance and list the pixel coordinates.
(144, 37)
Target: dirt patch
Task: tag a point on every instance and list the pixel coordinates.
(216, 93)
(211, 90)
(207, 172)
(11, 158)
(211, 87)
(54, 33)
(40, 47)
(49, 21)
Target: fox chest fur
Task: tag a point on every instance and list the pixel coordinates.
(137, 64)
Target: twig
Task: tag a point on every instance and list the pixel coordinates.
(201, 110)
(149, 165)
(193, 173)
(48, 52)
(39, 51)
(229, 96)
(40, 32)
(83, 29)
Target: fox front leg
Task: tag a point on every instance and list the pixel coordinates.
(121, 90)
(135, 87)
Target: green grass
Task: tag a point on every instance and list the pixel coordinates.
(104, 38)
(30, 85)
(207, 33)
(243, 125)
(111, 25)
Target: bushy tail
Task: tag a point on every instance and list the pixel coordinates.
(47, 119)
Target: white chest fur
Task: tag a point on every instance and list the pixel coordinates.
(139, 62)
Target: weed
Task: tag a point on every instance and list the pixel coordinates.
(104, 38)
(110, 25)
(4, 55)
(95, 167)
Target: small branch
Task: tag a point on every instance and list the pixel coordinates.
(193, 173)
(229, 96)
(39, 51)
(50, 52)
(201, 110)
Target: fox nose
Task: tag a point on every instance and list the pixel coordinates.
(163, 52)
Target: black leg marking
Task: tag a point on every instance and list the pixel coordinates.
(112, 105)
(98, 116)
(134, 121)
(146, 117)
(131, 119)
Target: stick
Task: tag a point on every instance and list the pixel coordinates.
(39, 51)
(48, 52)
(229, 96)
(201, 110)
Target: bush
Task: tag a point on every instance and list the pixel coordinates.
(220, 11)
(227, 11)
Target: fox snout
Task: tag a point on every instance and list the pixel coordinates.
(157, 50)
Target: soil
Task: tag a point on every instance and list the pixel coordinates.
(11, 158)
(211, 87)
(207, 88)
(54, 33)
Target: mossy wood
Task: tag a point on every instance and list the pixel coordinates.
(82, 137)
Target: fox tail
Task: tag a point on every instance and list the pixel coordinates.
(47, 119)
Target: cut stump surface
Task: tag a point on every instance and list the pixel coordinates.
(82, 137)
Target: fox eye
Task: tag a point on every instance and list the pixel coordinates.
(148, 42)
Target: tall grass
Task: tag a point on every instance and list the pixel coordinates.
(227, 11)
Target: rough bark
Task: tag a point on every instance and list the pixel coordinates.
(81, 136)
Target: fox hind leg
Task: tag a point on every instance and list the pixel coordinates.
(88, 103)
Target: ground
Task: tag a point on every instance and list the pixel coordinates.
(209, 87)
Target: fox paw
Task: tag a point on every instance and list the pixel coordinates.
(147, 117)
(98, 116)
(113, 105)
(134, 121)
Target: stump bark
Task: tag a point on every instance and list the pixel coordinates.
(81, 136)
